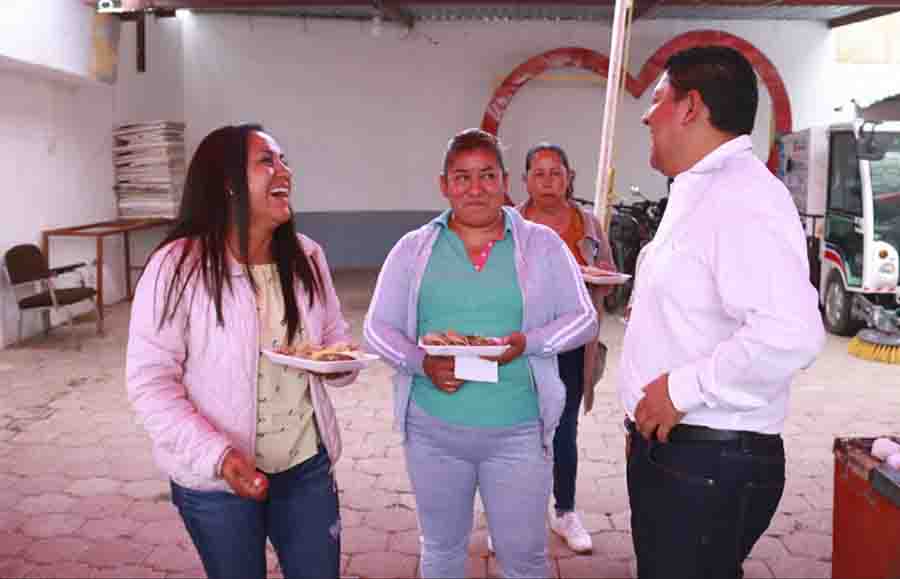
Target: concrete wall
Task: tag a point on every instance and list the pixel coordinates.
(56, 157)
(156, 94)
(55, 133)
(365, 119)
(53, 34)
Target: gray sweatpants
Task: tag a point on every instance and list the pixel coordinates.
(511, 471)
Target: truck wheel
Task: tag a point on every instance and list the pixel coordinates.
(838, 302)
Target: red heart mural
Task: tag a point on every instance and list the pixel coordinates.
(574, 57)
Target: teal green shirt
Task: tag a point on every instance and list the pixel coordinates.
(453, 296)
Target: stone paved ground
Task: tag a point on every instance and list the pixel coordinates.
(80, 496)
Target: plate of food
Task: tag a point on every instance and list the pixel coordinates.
(598, 276)
(451, 343)
(321, 359)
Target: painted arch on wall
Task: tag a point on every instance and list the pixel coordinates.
(583, 58)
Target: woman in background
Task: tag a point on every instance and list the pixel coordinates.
(549, 180)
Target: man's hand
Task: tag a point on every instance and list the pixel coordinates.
(655, 412)
(243, 479)
(516, 342)
(441, 370)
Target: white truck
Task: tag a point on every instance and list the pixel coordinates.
(845, 181)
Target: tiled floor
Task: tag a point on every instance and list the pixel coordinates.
(80, 496)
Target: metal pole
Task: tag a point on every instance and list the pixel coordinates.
(604, 183)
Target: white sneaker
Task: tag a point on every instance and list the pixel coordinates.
(569, 527)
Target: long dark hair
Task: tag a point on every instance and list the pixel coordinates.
(215, 198)
(544, 146)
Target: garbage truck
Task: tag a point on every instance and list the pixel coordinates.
(845, 181)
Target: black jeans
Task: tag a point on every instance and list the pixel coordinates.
(300, 517)
(565, 441)
(697, 508)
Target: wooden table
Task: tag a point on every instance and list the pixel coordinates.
(98, 231)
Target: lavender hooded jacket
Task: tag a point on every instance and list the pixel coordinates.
(193, 383)
(558, 314)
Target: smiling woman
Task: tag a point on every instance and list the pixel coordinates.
(486, 272)
(249, 446)
(269, 189)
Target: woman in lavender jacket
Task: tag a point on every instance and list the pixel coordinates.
(480, 268)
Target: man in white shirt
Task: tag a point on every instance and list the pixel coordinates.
(723, 315)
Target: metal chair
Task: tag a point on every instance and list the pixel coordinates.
(30, 277)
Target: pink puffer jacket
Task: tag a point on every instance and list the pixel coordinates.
(193, 383)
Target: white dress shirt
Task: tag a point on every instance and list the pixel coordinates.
(723, 301)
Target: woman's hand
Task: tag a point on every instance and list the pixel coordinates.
(605, 265)
(243, 479)
(441, 370)
(600, 266)
(598, 292)
(516, 342)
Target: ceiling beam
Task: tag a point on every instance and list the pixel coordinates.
(836, 3)
(861, 16)
(786, 3)
(396, 12)
(214, 4)
(142, 42)
(217, 4)
(644, 7)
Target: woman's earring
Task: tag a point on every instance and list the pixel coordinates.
(230, 192)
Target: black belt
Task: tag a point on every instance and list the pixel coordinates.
(694, 433)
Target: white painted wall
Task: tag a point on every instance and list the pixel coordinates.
(156, 94)
(365, 119)
(54, 34)
(55, 134)
(56, 152)
(56, 148)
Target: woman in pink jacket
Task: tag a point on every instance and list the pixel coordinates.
(249, 446)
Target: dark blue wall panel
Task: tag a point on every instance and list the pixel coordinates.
(359, 239)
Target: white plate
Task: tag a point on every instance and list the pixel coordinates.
(470, 351)
(319, 366)
(611, 279)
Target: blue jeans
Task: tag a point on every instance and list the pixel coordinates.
(300, 517)
(697, 508)
(565, 441)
